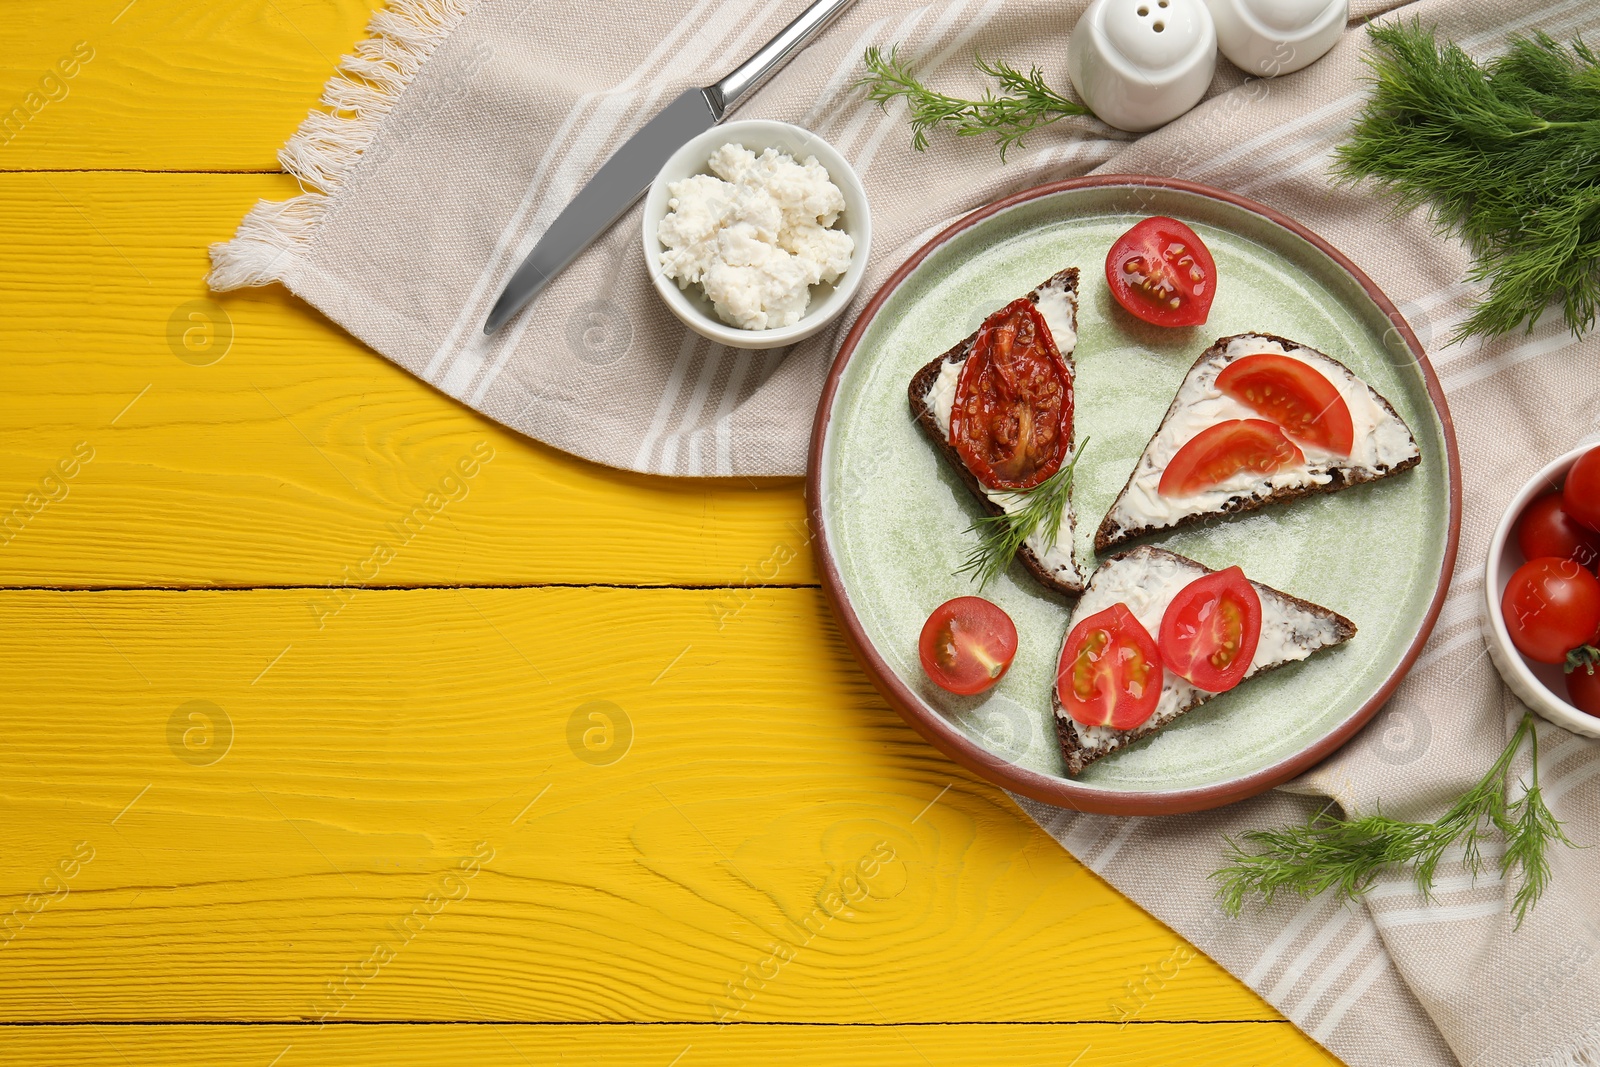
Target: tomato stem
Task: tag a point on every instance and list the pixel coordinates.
(1583, 659)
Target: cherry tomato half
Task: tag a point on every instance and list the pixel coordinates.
(1161, 272)
(1546, 529)
(1293, 394)
(1012, 417)
(1110, 672)
(1583, 688)
(1210, 631)
(967, 645)
(1551, 606)
(1581, 495)
(1218, 452)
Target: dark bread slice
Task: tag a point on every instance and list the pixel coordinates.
(1110, 534)
(917, 392)
(1077, 757)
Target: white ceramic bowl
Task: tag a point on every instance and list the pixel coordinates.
(827, 301)
(1541, 686)
(1141, 63)
(1272, 37)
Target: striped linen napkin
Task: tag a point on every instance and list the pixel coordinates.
(460, 129)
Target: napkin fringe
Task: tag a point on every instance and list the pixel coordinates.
(1582, 1051)
(276, 235)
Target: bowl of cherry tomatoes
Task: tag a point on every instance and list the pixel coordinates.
(1542, 593)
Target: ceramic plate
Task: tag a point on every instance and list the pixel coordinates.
(890, 517)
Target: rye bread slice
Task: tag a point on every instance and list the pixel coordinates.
(1116, 530)
(922, 382)
(1314, 627)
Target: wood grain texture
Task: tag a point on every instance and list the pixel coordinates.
(373, 804)
(694, 878)
(1090, 1045)
(286, 461)
(170, 84)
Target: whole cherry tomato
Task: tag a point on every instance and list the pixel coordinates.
(1545, 529)
(1581, 495)
(1551, 607)
(1583, 687)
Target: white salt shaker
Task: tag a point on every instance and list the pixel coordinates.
(1272, 37)
(1141, 63)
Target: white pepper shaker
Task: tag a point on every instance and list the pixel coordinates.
(1141, 63)
(1272, 37)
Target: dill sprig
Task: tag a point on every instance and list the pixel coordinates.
(1024, 103)
(1505, 154)
(1345, 856)
(999, 536)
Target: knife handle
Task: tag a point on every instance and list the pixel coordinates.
(726, 94)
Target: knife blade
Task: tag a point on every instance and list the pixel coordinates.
(623, 178)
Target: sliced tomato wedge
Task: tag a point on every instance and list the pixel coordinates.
(1161, 272)
(1012, 416)
(967, 645)
(1110, 672)
(1211, 629)
(1218, 452)
(1293, 394)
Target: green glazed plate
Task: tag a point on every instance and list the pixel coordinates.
(890, 518)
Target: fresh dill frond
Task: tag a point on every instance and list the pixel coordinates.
(1533, 828)
(1504, 154)
(1024, 103)
(1346, 855)
(999, 536)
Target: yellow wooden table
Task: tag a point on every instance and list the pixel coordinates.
(569, 780)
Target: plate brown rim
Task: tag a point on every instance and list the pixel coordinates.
(1063, 792)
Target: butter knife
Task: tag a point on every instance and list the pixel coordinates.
(623, 178)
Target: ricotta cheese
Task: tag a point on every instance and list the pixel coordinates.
(755, 234)
(1053, 549)
(1382, 441)
(1146, 580)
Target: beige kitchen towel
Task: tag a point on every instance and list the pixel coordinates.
(459, 131)
(1398, 979)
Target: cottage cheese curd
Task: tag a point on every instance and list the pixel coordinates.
(755, 234)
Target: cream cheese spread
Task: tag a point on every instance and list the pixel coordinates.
(1382, 441)
(756, 234)
(1146, 580)
(1058, 306)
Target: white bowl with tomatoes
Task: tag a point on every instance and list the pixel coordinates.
(1542, 593)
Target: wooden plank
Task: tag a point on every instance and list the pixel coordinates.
(165, 84)
(690, 868)
(147, 878)
(509, 1045)
(296, 453)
